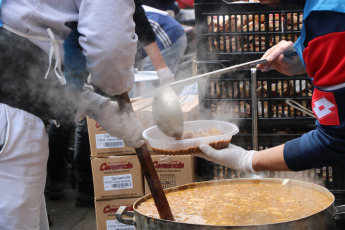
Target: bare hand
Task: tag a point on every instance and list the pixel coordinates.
(276, 60)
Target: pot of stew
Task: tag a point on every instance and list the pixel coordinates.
(265, 203)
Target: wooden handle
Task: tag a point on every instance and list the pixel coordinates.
(149, 170)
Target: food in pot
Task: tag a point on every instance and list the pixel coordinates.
(242, 203)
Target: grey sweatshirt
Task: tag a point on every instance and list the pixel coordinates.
(107, 33)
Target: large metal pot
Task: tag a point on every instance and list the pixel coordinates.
(325, 219)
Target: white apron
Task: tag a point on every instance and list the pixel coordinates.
(23, 162)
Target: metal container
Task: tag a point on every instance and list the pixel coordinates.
(325, 219)
(144, 84)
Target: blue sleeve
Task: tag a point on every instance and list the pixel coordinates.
(314, 149)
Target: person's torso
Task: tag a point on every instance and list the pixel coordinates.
(24, 64)
(22, 69)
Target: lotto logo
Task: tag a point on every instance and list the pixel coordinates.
(322, 107)
(325, 107)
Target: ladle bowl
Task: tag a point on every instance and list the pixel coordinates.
(167, 112)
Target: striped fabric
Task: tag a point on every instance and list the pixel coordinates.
(160, 33)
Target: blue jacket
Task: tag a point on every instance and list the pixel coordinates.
(166, 29)
(321, 47)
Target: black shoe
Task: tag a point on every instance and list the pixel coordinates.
(54, 190)
(84, 200)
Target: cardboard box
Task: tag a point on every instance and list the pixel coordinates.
(117, 177)
(103, 144)
(106, 210)
(143, 109)
(173, 170)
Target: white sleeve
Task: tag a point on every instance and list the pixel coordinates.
(109, 43)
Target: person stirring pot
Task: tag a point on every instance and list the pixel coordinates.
(108, 41)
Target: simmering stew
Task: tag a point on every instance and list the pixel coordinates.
(244, 203)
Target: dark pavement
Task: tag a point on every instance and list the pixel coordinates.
(65, 216)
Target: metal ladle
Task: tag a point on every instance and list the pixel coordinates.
(167, 112)
(166, 108)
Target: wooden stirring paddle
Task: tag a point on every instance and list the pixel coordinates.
(148, 169)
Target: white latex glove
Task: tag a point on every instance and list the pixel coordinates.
(107, 113)
(165, 76)
(233, 157)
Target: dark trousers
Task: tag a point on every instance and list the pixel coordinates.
(59, 139)
(82, 158)
(59, 142)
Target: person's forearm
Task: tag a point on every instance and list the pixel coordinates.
(155, 55)
(271, 159)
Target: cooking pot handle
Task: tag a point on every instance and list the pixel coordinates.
(340, 212)
(123, 211)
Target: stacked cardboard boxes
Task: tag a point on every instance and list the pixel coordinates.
(117, 176)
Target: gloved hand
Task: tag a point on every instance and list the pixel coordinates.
(233, 157)
(123, 125)
(165, 76)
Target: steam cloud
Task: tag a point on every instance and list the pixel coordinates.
(22, 70)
